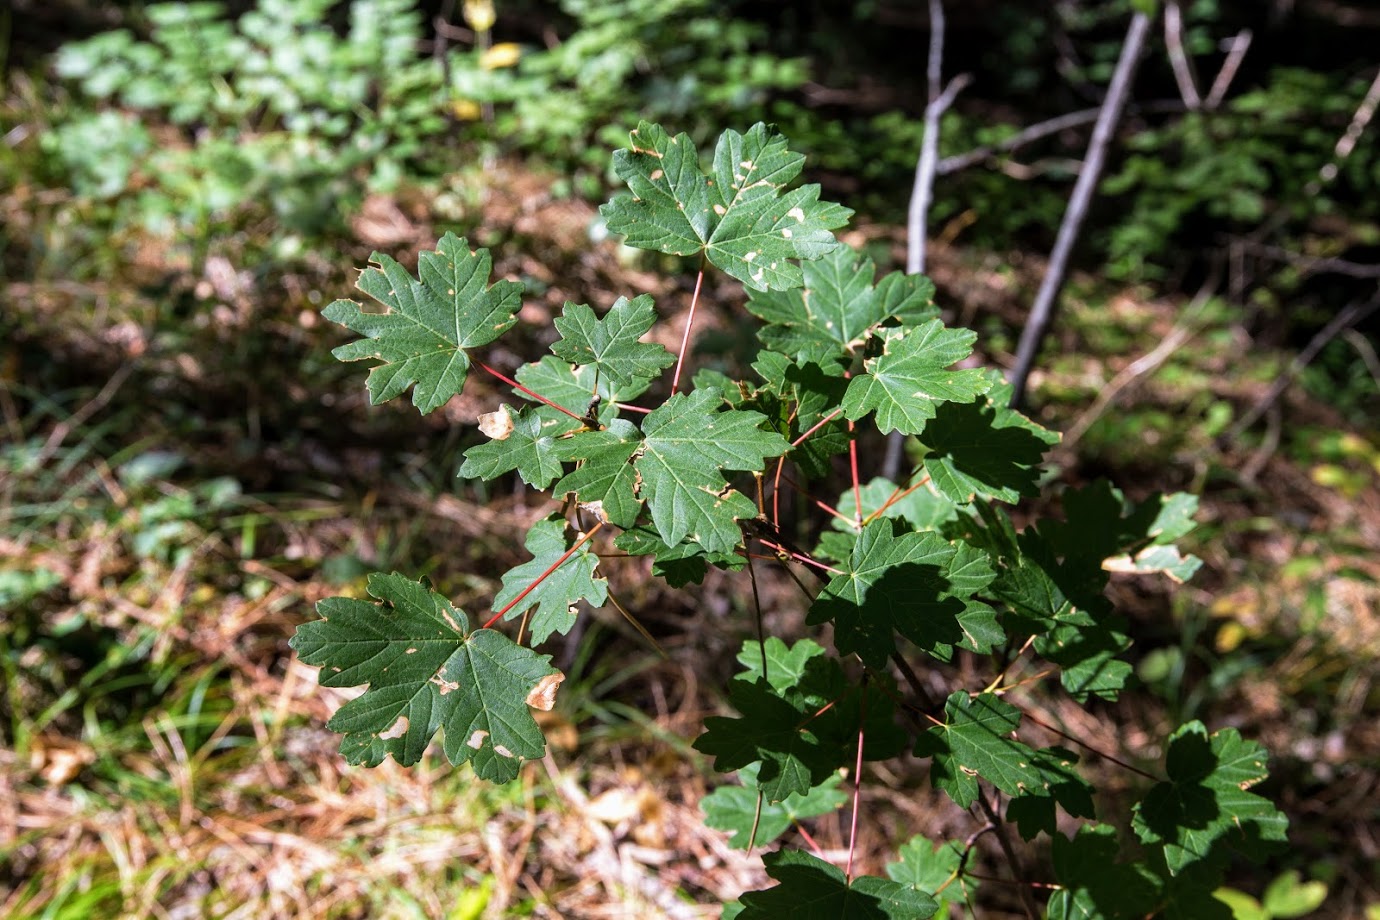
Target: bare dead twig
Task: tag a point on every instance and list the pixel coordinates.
(939, 99)
(1004, 840)
(1042, 313)
(1366, 351)
(1312, 265)
(1347, 142)
(1236, 52)
(1178, 58)
(1043, 129)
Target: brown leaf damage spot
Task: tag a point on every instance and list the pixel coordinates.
(396, 730)
(543, 695)
(477, 739)
(497, 425)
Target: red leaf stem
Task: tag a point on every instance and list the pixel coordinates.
(519, 387)
(542, 577)
(689, 323)
(801, 557)
(857, 780)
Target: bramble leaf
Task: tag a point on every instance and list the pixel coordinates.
(812, 889)
(734, 808)
(917, 584)
(838, 309)
(612, 344)
(976, 742)
(555, 597)
(739, 216)
(426, 669)
(527, 443)
(1205, 808)
(912, 376)
(430, 323)
(686, 442)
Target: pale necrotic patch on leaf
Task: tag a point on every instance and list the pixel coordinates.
(497, 425)
(543, 695)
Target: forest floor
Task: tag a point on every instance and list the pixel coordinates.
(185, 472)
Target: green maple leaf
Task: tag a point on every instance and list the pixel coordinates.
(576, 388)
(983, 449)
(686, 442)
(1095, 886)
(801, 721)
(927, 867)
(739, 216)
(557, 594)
(681, 564)
(430, 322)
(1060, 603)
(838, 309)
(786, 665)
(1116, 535)
(1205, 807)
(606, 477)
(771, 731)
(426, 669)
(798, 397)
(612, 344)
(922, 508)
(530, 447)
(976, 742)
(734, 808)
(912, 376)
(915, 584)
(812, 889)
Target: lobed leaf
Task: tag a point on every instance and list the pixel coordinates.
(1205, 808)
(431, 321)
(739, 217)
(976, 742)
(913, 375)
(425, 670)
(687, 441)
(801, 721)
(553, 600)
(916, 584)
(812, 889)
(528, 442)
(612, 344)
(736, 809)
(929, 867)
(838, 310)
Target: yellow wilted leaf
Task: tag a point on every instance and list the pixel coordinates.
(504, 54)
(466, 109)
(479, 14)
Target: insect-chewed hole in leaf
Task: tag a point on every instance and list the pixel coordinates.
(396, 730)
(543, 695)
(497, 425)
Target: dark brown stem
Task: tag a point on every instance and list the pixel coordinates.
(1032, 910)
